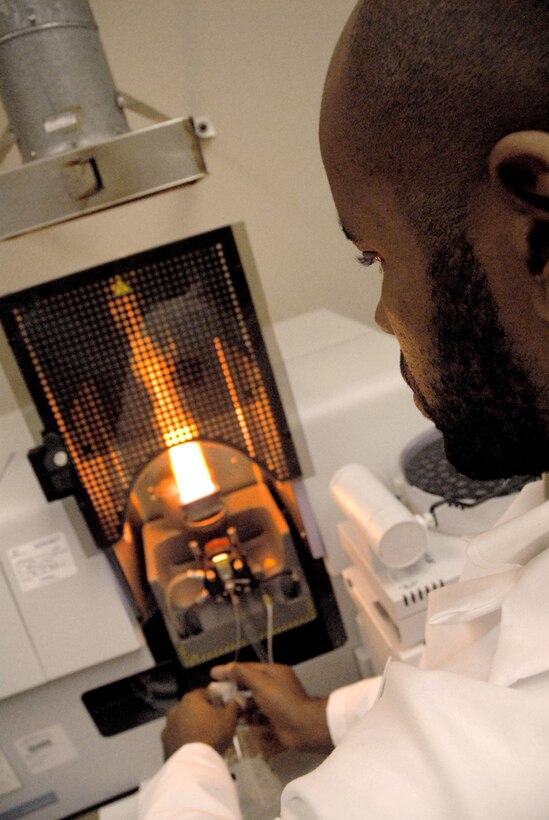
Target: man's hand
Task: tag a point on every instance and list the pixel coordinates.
(298, 720)
(195, 720)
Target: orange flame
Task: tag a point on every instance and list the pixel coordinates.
(191, 472)
(156, 371)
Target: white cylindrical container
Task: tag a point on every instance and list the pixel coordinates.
(394, 534)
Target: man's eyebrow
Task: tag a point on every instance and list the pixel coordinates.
(347, 233)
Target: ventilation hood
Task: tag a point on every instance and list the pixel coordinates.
(68, 121)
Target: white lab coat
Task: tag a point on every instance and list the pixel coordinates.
(464, 737)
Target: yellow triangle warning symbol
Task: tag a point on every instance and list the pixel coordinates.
(120, 288)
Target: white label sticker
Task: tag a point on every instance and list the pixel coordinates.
(46, 749)
(8, 779)
(66, 119)
(41, 562)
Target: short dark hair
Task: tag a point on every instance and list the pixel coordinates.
(434, 84)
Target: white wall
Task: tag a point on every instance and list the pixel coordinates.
(256, 68)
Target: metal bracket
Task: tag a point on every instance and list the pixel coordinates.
(203, 126)
(125, 100)
(6, 141)
(164, 155)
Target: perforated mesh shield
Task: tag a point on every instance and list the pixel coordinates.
(427, 468)
(131, 357)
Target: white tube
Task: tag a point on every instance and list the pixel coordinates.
(393, 533)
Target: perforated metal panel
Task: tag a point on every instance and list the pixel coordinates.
(131, 357)
(428, 468)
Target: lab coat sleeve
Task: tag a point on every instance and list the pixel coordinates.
(194, 784)
(435, 744)
(349, 703)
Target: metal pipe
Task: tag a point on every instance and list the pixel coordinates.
(55, 80)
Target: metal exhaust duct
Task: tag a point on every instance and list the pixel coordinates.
(55, 81)
(68, 121)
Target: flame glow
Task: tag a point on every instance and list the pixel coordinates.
(241, 418)
(220, 557)
(155, 369)
(191, 472)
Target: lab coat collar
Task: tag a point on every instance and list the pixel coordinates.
(507, 569)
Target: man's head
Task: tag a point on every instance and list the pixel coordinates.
(434, 136)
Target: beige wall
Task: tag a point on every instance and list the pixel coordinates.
(256, 68)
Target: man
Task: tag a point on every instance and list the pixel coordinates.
(434, 134)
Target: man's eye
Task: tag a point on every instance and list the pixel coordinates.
(368, 258)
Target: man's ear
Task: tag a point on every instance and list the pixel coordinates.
(519, 172)
(519, 163)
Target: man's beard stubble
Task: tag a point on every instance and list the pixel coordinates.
(487, 407)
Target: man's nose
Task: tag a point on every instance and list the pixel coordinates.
(382, 321)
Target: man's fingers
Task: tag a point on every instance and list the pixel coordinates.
(235, 707)
(245, 674)
(222, 672)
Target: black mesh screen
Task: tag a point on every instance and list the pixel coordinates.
(427, 467)
(131, 357)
